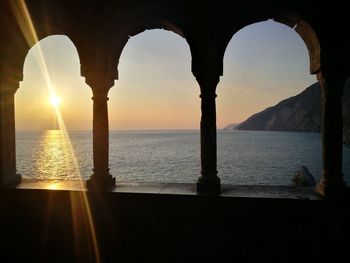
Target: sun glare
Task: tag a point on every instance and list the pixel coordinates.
(80, 204)
(54, 100)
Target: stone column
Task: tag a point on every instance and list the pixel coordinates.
(208, 182)
(332, 84)
(101, 177)
(8, 175)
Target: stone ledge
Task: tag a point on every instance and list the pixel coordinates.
(153, 222)
(243, 191)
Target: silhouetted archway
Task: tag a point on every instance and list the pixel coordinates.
(265, 63)
(155, 91)
(52, 68)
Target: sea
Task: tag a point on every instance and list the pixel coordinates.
(173, 156)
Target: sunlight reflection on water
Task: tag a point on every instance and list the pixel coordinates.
(250, 158)
(54, 159)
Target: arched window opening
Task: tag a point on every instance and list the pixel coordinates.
(266, 63)
(154, 112)
(53, 114)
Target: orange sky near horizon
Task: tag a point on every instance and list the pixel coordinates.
(264, 63)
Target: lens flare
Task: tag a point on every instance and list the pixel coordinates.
(55, 100)
(82, 216)
(54, 186)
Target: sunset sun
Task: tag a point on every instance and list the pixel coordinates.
(54, 100)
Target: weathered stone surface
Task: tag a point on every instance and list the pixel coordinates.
(303, 178)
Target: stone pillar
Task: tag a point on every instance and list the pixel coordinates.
(208, 182)
(8, 175)
(101, 177)
(332, 84)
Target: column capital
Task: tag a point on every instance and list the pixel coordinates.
(98, 82)
(100, 85)
(332, 82)
(333, 73)
(11, 72)
(208, 84)
(207, 79)
(100, 94)
(9, 87)
(98, 74)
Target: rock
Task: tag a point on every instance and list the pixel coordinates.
(230, 126)
(303, 178)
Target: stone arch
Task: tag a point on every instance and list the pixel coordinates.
(166, 77)
(54, 32)
(282, 45)
(61, 61)
(307, 33)
(57, 33)
(301, 26)
(27, 24)
(17, 65)
(133, 22)
(17, 51)
(47, 66)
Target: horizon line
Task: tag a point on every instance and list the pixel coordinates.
(175, 129)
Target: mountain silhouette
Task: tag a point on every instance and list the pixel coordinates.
(302, 113)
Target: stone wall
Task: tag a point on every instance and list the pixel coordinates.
(41, 226)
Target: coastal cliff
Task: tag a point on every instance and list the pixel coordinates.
(302, 112)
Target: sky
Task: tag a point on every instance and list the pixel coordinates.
(264, 63)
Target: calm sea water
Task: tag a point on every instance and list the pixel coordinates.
(244, 157)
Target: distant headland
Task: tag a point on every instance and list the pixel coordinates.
(301, 113)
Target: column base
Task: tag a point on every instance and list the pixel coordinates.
(100, 182)
(334, 191)
(10, 180)
(209, 185)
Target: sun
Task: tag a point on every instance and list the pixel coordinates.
(54, 100)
